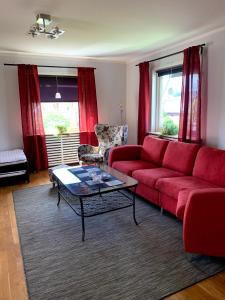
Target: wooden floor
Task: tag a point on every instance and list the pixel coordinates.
(12, 279)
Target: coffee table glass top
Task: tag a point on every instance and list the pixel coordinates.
(90, 180)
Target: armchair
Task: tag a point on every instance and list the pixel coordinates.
(108, 136)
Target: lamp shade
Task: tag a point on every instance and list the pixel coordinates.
(57, 95)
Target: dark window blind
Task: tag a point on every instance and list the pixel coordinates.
(173, 71)
(67, 87)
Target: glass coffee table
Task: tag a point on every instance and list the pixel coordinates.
(91, 191)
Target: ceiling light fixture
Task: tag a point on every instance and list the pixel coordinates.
(42, 26)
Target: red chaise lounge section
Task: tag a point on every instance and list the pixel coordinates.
(184, 179)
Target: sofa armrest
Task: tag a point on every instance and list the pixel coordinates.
(204, 222)
(126, 152)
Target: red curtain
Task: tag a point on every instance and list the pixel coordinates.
(144, 102)
(190, 113)
(88, 110)
(32, 124)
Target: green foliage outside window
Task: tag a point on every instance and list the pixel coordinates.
(56, 121)
(169, 127)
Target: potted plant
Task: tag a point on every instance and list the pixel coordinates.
(61, 129)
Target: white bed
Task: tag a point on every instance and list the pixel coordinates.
(12, 157)
(13, 163)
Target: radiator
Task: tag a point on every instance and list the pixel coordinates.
(62, 149)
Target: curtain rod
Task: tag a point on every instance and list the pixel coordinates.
(202, 45)
(43, 66)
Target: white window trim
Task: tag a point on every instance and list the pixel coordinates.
(155, 98)
(156, 66)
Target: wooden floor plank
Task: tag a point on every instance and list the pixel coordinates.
(12, 278)
(5, 288)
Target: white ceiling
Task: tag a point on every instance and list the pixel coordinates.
(120, 29)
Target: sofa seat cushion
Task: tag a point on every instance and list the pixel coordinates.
(150, 176)
(128, 166)
(172, 186)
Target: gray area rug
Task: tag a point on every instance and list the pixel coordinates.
(118, 259)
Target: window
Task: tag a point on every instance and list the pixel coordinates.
(60, 118)
(168, 98)
(59, 115)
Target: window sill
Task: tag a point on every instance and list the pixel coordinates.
(166, 137)
(63, 134)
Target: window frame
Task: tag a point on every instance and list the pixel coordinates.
(156, 103)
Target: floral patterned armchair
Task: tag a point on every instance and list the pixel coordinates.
(108, 136)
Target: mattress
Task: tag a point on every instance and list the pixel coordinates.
(11, 174)
(12, 157)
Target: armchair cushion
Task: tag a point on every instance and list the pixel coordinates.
(89, 154)
(87, 149)
(91, 158)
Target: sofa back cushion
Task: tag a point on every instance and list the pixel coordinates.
(180, 157)
(153, 149)
(210, 165)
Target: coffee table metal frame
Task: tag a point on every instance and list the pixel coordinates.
(79, 199)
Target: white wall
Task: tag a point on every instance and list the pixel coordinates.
(110, 85)
(214, 69)
(117, 84)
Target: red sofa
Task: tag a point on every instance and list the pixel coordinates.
(185, 179)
